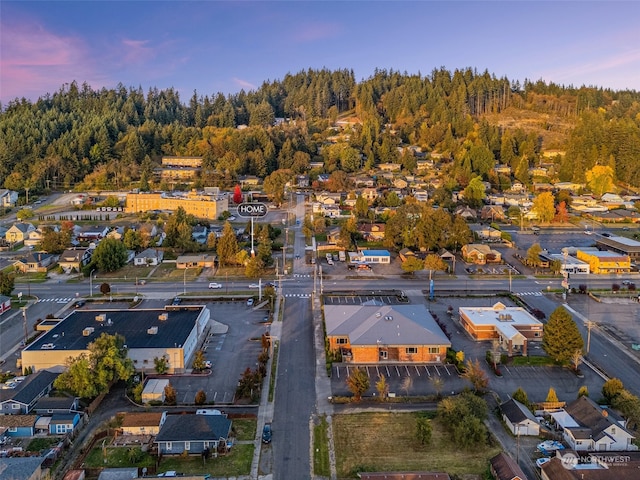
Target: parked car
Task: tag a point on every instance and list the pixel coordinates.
(80, 303)
(215, 285)
(266, 433)
(254, 285)
(207, 364)
(250, 302)
(176, 301)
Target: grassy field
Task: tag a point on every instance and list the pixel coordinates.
(117, 457)
(386, 442)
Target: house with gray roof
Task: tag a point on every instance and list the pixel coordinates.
(376, 333)
(192, 434)
(519, 419)
(21, 468)
(21, 399)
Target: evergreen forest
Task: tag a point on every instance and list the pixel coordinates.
(80, 138)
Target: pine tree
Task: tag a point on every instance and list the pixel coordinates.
(561, 336)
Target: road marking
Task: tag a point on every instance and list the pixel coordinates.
(533, 294)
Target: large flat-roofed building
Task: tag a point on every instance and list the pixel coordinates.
(385, 333)
(179, 168)
(514, 327)
(605, 261)
(200, 205)
(622, 245)
(171, 332)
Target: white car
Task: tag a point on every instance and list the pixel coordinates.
(215, 285)
(254, 285)
(250, 302)
(231, 218)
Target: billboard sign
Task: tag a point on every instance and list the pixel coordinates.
(256, 209)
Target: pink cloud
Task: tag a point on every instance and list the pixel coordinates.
(35, 61)
(136, 51)
(244, 84)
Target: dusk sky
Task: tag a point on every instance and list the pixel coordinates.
(217, 46)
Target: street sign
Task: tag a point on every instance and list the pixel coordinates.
(248, 210)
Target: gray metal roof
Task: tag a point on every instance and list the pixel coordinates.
(16, 468)
(384, 324)
(28, 390)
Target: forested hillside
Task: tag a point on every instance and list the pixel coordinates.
(83, 138)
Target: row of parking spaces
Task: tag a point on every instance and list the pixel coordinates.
(527, 371)
(361, 299)
(187, 397)
(400, 370)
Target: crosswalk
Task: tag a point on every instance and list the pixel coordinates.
(532, 294)
(298, 295)
(55, 300)
(302, 275)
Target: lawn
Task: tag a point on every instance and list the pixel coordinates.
(245, 428)
(237, 462)
(535, 361)
(386, 442)
(321, 450)
(117, 457)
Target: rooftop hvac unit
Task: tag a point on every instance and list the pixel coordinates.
(152, 331)
(87, 331)
(163, 316)
(101, 318)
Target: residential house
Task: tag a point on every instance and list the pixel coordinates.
(195, 261)
(372, 232)
(480, 254)
(192, 434)
(5, 304)
(34, 238)
(613, 198)
(249, 181)
(8, 198)
(55, 405)
(331, 211)
(18, 425)
(199, 234)
(595, 429)
(468, 213)
(400, 183)
(517, 187)
(333, 236)
(73, 259)
(369, 194)
(519, 419)
(384, 333)
(329, 198)
(406, 253)
(22, 399)
(63, 423)
(503, 467)
(149, 257)
(421, 195)
(21, 468)
(19, 232)
(36, 262)
(502, 169)
(486, 233)
(142, 423)
(492, 212)
(389, 167)
(538, 172)
(302, 181)
(91, 233)
(117, 233)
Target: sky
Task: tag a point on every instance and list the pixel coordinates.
(228, 46)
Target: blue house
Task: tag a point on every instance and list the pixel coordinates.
(21, 399)
(192, 434)
(62, 423)
(18, 425)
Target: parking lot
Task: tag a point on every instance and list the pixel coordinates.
(403, 379)
(230, 350)
(387, 297)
